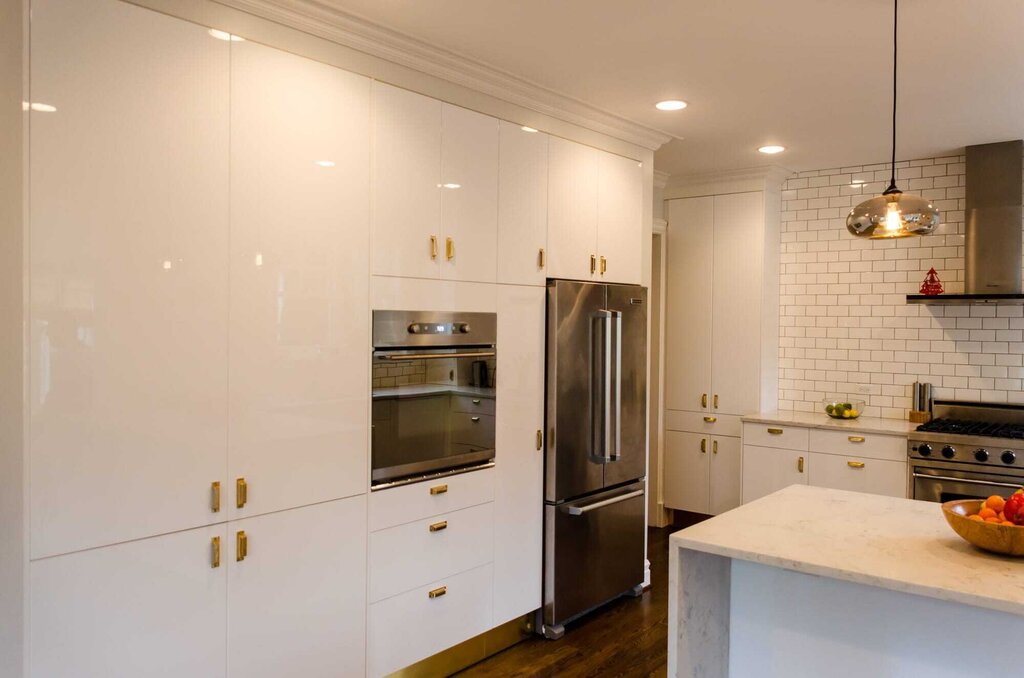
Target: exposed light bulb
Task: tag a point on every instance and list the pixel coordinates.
(893, 223)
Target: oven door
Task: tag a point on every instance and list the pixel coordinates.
(942, 482)
(433, 412)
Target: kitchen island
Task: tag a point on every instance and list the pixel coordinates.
(816, 582)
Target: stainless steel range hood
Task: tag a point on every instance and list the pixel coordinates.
(993, 213)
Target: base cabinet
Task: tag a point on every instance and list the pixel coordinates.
(702, 473)
(874, 476)
(768, 469)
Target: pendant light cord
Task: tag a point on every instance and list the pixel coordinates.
(895, 39)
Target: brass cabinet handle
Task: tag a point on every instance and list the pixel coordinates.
(711, 420)
(241, 546)
(775, 431)
(716, 401)
(215, 496)
(540, 258)
(855, 464)
(437, 527)
(433, 247)
(703, 399)
(604, 265)
(703, 445)
(540, 439)
(438, 592)
(800, 464)
(241, 492)
(215, 552)
(474, 419)
(438, 489)
(593, 263)
(714, 446)
(855, 439)
(449, 249)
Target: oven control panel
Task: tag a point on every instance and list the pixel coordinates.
(969, 452)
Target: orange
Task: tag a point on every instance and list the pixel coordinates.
(1007, 522)
(976, 517)
(987, 513)
(993, 520)
(995, 502)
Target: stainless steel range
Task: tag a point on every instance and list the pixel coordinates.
(968, 451)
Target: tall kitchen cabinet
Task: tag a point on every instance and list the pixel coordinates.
(721, 333)
(522, 205)
(198, 277)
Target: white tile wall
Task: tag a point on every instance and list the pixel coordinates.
(846, 328)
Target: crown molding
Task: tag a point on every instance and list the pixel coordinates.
(767, 178)
(316, 18)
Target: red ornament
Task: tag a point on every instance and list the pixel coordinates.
(931, 285)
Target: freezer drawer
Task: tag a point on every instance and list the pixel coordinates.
(594, 551)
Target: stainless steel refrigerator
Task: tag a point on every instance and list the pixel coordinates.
(595, 459)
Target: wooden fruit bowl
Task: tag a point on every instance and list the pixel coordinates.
(1005, 539)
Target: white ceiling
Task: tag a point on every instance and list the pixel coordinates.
(812, 75)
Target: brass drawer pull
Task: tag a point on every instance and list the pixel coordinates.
(710, 420)
(540, 439)
(437, 527)
(716, 401)
(215, 552)
(775, 431)
(604, 265)
(855, 464)
(703, 445)
(800, 465)
(449, 249)
(855, 439)
(215, 496)
(241, 546)
(714, 447)
(593, 263)
(438, 592)
(241, 492)
(540, 258)
(438, 489)
(433, 247)
(703, 399)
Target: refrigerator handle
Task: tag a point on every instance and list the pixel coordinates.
(600, 386)
(614, 452)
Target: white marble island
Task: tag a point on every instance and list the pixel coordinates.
(816, 582)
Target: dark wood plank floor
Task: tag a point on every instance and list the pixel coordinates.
(629, 637)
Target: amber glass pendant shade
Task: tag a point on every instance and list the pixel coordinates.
(893, 215)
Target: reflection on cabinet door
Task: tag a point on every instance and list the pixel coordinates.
(297, 601)
(767, 469)
(522, 206)
(687, 471)
(299, 279)
(619, 219)
(725, 474)
(152, 607)
(129, 295)
(572, 210)
(407, 183)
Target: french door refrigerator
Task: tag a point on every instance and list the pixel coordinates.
(595, 460)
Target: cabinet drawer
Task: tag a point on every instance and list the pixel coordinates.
(473, 404)
(859, 474)
(410, 555)
(473, 429)
(850, 443)
(775, 435)
(409, 627)
(404, 504)
(720, 424)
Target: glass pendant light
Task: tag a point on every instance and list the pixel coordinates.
(894, 214)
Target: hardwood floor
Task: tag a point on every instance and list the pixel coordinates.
(629, 637)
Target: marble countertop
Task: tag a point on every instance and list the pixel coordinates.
(896, 544)
(415, 390)
(822, 420)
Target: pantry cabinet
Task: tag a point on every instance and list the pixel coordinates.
(522, 205)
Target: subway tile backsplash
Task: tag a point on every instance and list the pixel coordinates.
(846, 328)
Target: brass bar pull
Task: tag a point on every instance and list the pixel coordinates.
(604, 265)
(855, 439)
(855, 464)
(714, 446)
(716, 401)
(433, 247)
(241, 492)
(215, 496)
(449, 249)
(800, 464)
(540, 258)
(775, 431)
(703, 399)
(215, 552)
(540, 439)
(437, 527)
(439, 489)
(593, 264)
(438, 592)
(474, 419)
(703, 445)
(241, 546)
(711, 420)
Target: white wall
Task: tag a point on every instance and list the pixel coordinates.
(845, 325)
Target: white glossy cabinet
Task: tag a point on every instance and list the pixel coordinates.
(522, 205)
(297, 601)
(768, 469)
(874, 476)
(300, 158)
(129, 289)
(724, 481)
(407, 237)
(519, 467)
(572, 209)
(151, 607)
(705, 471)
(619, 215)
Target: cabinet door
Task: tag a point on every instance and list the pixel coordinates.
(519, 464)
(129, 295)
(688, 304)
(469, 198)
(736, 302)
(522, 205)
(406, 183)
(297, 601)
(152, 607)
(300, 161)
(859, 474)
(687, 472)
(725, 474)
(572, 209)
(620, 207)
(768, 469)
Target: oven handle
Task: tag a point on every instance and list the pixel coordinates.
(429, 356)
(967, 481)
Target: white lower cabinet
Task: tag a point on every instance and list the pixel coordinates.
(767, 469)
(858, 474)
(725, 474)
(702, 473)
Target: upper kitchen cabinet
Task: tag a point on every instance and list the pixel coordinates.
(469, 198)
(300, 165)
(407, 234)
(522, 205)
(129, 292)
(619, 216)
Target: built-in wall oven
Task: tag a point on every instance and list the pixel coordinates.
(433, 394)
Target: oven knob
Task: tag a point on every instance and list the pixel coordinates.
(1009, 457)
(981, 455)
(925, 450)
(948, 452)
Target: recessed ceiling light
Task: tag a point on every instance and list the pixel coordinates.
(324, 163)
(527, 129)
(670, 105)
(224, 35)
(772, 150)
